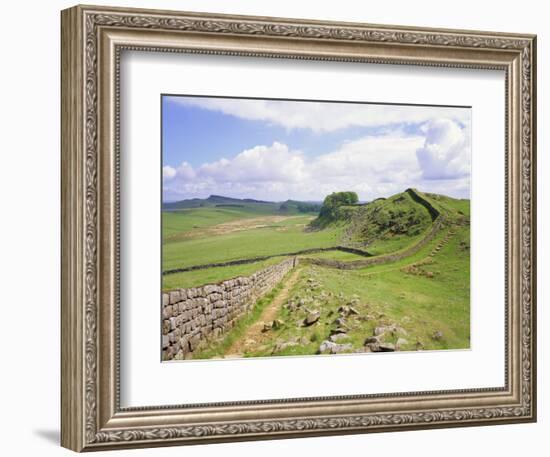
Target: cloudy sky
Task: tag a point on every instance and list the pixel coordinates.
(277, 150)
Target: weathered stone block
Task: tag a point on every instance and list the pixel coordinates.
(184, 344)
(214, 297)
(200, 292)
(165, 341)
(201, 303)
(167, 311)
(173, 322)
(165, 326)
(212, 288)
(174, 296)
(165, 299)
(219, 304)
(183, 294)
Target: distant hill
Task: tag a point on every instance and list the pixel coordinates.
(219, 201)
(406, 214)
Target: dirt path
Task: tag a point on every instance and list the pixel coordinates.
(253, 336)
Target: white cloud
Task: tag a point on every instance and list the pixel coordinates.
(168, 173)
(259, 164)
(183, 171)
(323, 116)
(446, 150)
(436, 160)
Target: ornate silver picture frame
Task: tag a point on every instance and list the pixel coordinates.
(93, 40)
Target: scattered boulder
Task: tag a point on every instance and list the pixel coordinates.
(352, 310)
(373, 347)
(283, 345)
(381, 347)
(343, 310)
(387, 347)
(277, 324)
(311, 318)
(437, 335)
(338, 330)
(391, 329)
(365, 317)
(291, 306)
(337, 336)
(267, 326)
(372, 339)
(329, 347)
(339, 321)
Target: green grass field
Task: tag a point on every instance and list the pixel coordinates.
(426, 296)
(276, 238)
(189, 220)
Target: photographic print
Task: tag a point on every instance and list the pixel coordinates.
(304, 228)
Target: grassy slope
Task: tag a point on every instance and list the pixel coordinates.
(385, 219)
(388, 294)
(174, 222)
(287, 236)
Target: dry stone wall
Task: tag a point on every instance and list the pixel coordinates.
(191, 317)
(381, 259)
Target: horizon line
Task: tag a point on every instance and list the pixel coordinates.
(303, 201)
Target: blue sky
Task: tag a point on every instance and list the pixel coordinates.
(276, 150)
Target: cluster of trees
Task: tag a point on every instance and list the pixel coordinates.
(332, 202)
(332, 210)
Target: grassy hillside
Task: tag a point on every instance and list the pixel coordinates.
(396, 216)
(417, 299)
(425, 298)
(226, 229)
(283, 236)
(185, 220)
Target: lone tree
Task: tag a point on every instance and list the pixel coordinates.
(332, 202)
